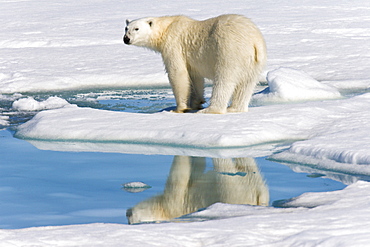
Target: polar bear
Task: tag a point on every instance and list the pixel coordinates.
(229, 50)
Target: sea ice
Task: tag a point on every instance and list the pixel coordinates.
(286, 84)
(74, 45)
(30, 104)
(4, 120)
(323, 128)
(135, 187)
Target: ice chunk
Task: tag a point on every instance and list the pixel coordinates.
(164, 128)
(30, 104)
(4, 120)
(135, 187)
(286, 84)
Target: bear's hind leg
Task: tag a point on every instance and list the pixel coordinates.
(222, 91)
(242, 95)
(197, 93)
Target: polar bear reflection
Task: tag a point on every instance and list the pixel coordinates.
(188, 188)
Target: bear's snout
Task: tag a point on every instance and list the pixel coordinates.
(126, 40)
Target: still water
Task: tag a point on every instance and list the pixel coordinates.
(49, 183)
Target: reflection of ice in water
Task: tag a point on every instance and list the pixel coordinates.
(188, 188)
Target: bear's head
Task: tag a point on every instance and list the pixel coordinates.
(138, 32)
(150, 210)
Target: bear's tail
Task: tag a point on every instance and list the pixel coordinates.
(260, 56)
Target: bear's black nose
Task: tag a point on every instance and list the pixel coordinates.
(126, 40)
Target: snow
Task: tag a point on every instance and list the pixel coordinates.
(316, 105)
(82, 48)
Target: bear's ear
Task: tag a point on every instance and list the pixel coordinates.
(128, 21)
(150, 22)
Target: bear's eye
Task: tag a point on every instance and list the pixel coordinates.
(136, 29)
(126, 29)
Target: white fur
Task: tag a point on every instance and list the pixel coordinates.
(228, 49)
(189, 188)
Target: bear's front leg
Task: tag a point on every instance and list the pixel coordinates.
(181, 89)
(180, 83)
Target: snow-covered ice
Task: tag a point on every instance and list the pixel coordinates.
(30, 104)
(287, 84)
(322, 47)
(67, 45)
(322, 129)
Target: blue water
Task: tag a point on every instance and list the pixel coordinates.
(39, 187)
